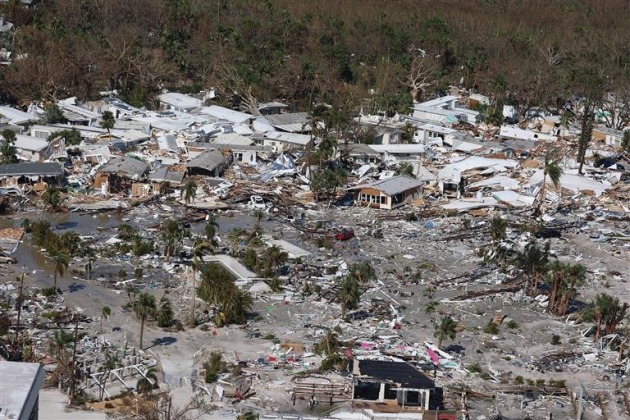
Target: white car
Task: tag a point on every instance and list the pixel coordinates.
(257, 202)
(6, 258)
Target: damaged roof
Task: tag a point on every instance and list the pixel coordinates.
(125, 166)
(295, 122)
(163, 174)
(392, 186)
(31, 169)
(400, 373)
(208, 160)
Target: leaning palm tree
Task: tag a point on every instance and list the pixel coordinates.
(553, 170)
(148, 382)
(446, 328)
(144, 307)
(349, 294)
(106, 311)
(61, 261)
(197, 259)
(498, 229)
(189, 193)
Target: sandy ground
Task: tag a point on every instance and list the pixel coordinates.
(52, 406)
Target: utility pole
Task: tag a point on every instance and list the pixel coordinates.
(19, 309)
(74, 356)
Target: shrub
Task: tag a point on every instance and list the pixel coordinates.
(491, 328)
(519, 380)
(411, 217)
(474, 368)
(512, 325)
(540, 383)
(561, 383)
(555, 339)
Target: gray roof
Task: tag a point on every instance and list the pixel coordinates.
(392, 186)
(358, 149)
(125, 166)
(163, 174)
(291, 122)
(209, 160)
(31, 169)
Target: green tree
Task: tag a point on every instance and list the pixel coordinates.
(53, 115)
(625, 143)
(564, 279)
(446, 328)
(329, 343)
(144, 307)
(109, 365)
(51, 198)
(165, 313)
(197, 260)
(211, 227)
(498, 229)
(61, 261)
(349, 294)
(148, 382)
(8, 153)
(405, 168)
(533, 262)
(608, 314)
(105, 313)
(189, 193)
(107, 122)
(173, 234)
(554, 171)
(71, 136)
(363, 272)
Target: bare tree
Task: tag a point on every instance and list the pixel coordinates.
(421, 76)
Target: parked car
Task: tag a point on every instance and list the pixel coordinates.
(257, 202)
(344, 234)
(6, 258)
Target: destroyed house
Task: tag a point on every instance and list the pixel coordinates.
(394, 383)
(29, 172)
(119, 172)
(388, 193)
(209, 163)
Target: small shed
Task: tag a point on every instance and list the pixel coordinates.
(388, 193)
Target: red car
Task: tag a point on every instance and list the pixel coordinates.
(344, 234)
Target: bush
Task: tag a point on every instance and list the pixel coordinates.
(411, 217)
(50, 291)
(555, 340)
(214, 366)
(474, 368)
(553, 383)
(512, 325)
(540, 383)
(519, 380)
(491, 328)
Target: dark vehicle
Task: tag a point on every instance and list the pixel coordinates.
(344, 234)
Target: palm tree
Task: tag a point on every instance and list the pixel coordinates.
(446, 328)
(109, 365)
(189, 192)
(363, 272)
(554, 171)
(148, 382)
(608, 314)
(61, 261)
(144, 307)
(405, 168)
(349, 294)
(329, 344)
(173, 234)
(8, 153)
(533, 262)
(107, 122)
(564, 279)
(105, 313)
(211, 228)
(197, 258)
(51, 198)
